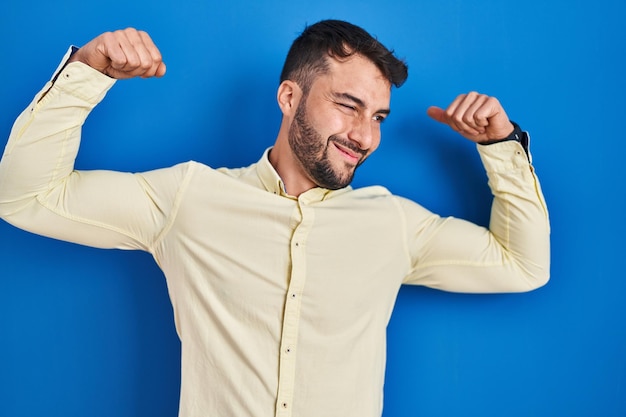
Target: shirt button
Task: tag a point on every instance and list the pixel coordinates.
(288, 350)
(284, 405)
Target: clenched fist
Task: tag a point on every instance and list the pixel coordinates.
(122, 54)
(475, 116)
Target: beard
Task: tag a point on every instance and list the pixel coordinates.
(311, 150)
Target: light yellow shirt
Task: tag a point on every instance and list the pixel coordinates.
(281, 303)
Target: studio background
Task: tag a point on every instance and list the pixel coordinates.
(87, 332)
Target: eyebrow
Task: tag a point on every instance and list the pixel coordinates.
(359, 102)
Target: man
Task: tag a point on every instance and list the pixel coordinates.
(282, 277)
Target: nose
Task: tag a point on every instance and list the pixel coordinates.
(364, 133)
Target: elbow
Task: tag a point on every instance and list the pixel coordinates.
(536, 276)
(534, 268)
(539, 280)
(541, 271)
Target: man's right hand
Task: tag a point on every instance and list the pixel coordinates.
(122, 54)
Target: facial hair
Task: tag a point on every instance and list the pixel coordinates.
(311, 150)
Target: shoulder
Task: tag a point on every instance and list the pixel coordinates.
(380, 196)
(363, 193)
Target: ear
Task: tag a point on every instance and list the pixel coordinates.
(288, 96)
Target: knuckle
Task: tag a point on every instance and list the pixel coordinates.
(494, 101)
(108, 37)
(133, 62)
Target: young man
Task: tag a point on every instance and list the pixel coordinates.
(282, 277)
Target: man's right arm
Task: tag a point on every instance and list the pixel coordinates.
(39, 189)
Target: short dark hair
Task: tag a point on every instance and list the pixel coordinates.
(308, 55)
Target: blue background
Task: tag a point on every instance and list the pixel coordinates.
(87, 332)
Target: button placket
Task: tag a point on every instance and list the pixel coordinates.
(291, 319)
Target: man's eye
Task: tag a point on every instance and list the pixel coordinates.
(379, 118)
(347, 106)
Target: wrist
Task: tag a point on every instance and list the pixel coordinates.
(517, 135)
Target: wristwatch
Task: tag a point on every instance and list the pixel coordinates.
(518, 135)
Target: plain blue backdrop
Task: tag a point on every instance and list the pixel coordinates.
(87, 332)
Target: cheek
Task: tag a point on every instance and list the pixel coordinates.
(330, 123)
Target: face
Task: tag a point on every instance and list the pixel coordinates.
(337, 124)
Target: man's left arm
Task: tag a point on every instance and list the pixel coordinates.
(513, 254)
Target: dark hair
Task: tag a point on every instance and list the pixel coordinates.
(307, 57)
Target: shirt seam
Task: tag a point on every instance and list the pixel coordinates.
(404, 231)
(83, 220)
(169, 222)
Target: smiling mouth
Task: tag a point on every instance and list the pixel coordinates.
(351, 155)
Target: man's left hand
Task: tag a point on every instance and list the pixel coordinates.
(477, 117)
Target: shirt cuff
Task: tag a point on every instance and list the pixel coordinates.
(504, 156)
(64, 62)
(518, 135)
(80, 80)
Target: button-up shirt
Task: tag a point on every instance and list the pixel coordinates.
(281, 303)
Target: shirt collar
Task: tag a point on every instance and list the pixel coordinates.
(274, 184)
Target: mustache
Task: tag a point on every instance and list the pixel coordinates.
(348, 144)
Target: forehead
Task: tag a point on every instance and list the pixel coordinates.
(357, 76)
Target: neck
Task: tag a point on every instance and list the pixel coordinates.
(288, 168)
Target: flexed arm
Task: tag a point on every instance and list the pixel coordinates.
(39, 189)
(513, 254)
